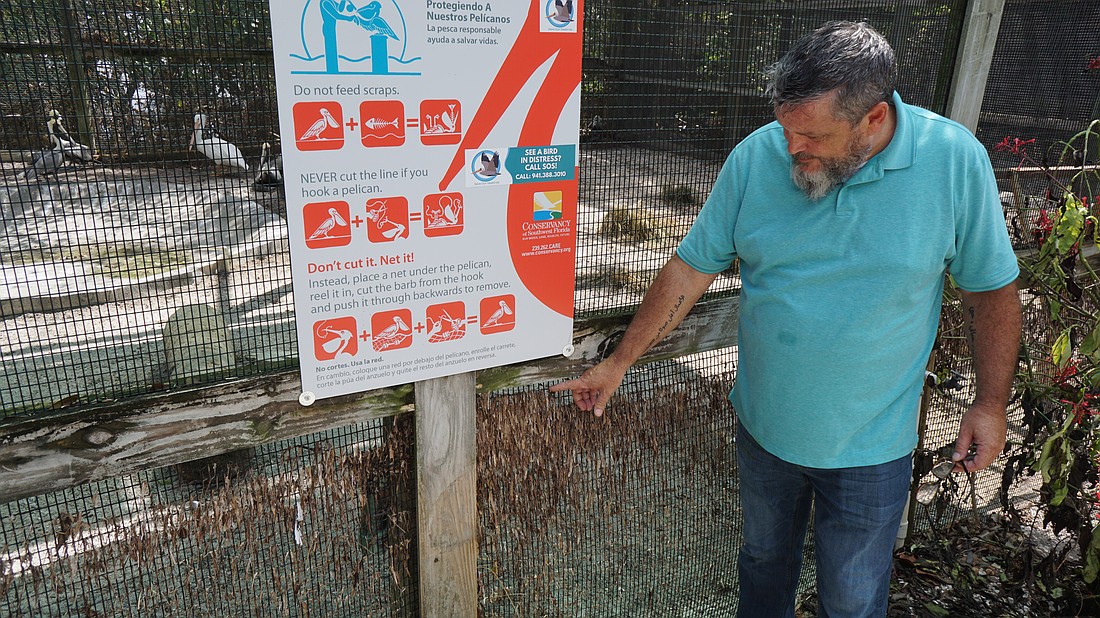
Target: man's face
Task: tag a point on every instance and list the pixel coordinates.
(825, 151)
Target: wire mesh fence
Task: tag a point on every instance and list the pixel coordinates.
(122, 238)
(319, 526)
(138, 266)
(632, 514)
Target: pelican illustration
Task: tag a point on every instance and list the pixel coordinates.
(448, 214)
(498, 315)
(367, 17)
(563, 11)
(433, 329)
(334, 345)
(314, 131)
(326, 226)
(398, 327)
(489, 165)
(269, 172)
(214, 147)
(376, 212)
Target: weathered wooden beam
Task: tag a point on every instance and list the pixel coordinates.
(446, 504)
(711, 325)
(1059, 171)
(54, 451)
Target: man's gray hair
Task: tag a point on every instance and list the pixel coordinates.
(849, 57)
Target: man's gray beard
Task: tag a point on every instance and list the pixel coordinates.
(833, 173)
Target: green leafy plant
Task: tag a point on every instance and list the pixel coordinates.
(1059, 382)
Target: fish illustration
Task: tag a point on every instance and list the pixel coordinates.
(377, 123)
(449, 119)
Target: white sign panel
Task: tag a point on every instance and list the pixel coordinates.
(430, 153)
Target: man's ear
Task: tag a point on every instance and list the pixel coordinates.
(877, 116)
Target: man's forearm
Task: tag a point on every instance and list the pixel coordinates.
(670, 298)
(993, 331)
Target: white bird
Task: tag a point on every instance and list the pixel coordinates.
(214, 147)
(314, 131)
(489, 165)
(269, 174)
(70, 147)
(49, 160)
(499, 314)
(326, 226)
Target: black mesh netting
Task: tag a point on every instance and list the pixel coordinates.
(135, 267)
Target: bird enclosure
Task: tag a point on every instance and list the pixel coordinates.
(153, 457)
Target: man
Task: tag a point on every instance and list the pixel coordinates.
(846, 214)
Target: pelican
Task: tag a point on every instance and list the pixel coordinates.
(434, 328)
(326, 226)
(398, 326)
(499, 314)
(368, 18)
(269, 174)
(389, 229)
(45, 161)
(48, 160)
(334, 345)
(489, 166)
(563, 11)
(314, 131)
(70, 147)
(452, 210)
(448, 214)
(214, 147)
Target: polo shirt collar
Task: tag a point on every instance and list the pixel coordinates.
(898, 154)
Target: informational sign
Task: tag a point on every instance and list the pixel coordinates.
(430, 157)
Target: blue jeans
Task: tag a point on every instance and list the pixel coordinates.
(856, 513)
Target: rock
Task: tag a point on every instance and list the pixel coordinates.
(197, 346)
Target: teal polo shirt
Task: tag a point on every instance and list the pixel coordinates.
(840, 298)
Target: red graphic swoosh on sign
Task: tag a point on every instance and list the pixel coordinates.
(531, 49)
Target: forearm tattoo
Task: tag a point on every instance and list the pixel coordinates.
(971, 326)
(668, 320)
